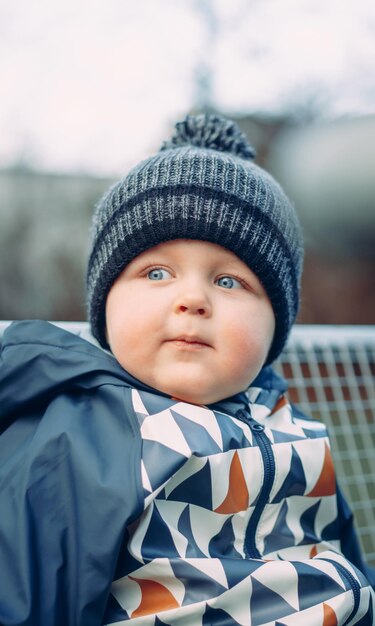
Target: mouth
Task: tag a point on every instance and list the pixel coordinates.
(189, 342)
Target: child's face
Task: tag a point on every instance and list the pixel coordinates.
(190, 319)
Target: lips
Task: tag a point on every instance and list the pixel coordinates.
(189, 341)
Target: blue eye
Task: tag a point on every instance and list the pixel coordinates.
(158, 274)
(228, 282)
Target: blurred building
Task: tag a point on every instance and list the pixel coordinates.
(328, 172)
(44, 239)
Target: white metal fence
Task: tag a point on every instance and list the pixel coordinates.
(331, 374)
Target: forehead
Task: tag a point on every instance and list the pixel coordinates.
(190, 247)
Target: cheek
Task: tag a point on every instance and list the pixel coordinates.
(121, 323)
(244, 349)
(128, 347)
(249, 342)
(131, 325)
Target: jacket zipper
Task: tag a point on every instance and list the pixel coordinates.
(250, 548)
(265, 448)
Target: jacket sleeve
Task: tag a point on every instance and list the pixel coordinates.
(349, 540)
(69, 485)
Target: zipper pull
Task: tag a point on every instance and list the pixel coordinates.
(256, 427)
(250, 421)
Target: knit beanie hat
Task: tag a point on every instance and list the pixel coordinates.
(202, 184)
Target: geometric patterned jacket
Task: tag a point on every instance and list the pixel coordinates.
(227, 514)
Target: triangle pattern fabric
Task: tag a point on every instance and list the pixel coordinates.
(158, 537)
(171, 512)
(295, 481)
(138, 406)
(235, 434)
(364, 620)
(282, 437)
(205, 525)
(223, 542)
(326, 484)
(203, 418)
(199, 439)
(330, 618)
(237, 498)
(184, 526)
(162, 428)
(327, 568)
(213, 568)
(281, 535)
(155, 403)
(158, 622)
(312, 588)
(235, 601)
(267, 605)
(196, 489)
(191, 467)
(280, 577)
(219, 617)
(156, 471)
(198, 585)
(307, 522)
(154, 598)
(203, 472)
(237, 570)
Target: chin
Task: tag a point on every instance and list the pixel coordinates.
(199, 399)
(181, 397)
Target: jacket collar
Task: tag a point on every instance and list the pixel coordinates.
(32, 339)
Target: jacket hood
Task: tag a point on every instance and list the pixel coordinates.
(39, 359)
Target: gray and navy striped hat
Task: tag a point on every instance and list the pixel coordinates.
(202, 184)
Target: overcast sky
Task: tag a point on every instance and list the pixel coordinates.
(93, 85)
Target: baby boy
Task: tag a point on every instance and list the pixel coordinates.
(158, 473)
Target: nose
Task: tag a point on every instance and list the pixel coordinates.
(194, 301)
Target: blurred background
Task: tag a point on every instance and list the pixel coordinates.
(89, 88)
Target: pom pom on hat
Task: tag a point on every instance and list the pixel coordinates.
(211, 132)
(202, 184)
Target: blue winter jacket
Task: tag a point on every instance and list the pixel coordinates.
(119, 504)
